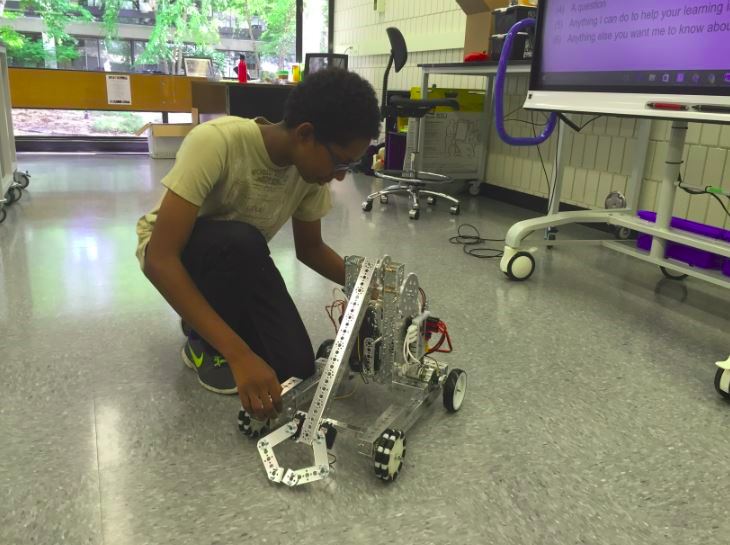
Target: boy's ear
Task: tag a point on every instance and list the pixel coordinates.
(304, 132)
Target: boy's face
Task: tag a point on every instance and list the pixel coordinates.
(320, 163)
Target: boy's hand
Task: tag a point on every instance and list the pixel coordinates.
(258, 386)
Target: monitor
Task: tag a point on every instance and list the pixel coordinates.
(254, 100)
(654, 58)
(314, 62)
(198, 67)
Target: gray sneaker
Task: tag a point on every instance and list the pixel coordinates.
(212, 368)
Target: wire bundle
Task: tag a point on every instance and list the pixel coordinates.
(469, 240)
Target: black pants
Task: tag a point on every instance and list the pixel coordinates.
(231, 265)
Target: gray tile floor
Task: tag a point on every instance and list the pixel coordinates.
(591, 416)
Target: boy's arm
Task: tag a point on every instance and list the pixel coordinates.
(314, 253)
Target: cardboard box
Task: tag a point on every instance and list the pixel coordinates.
(479, 21)
(164, 139)
(453, 141)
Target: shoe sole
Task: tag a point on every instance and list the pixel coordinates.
(191, 365)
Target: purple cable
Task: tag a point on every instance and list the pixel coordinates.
(499, 94)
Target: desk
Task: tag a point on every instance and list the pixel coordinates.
(242, 100)
(486, 69)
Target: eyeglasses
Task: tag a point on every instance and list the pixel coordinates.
(340, 167)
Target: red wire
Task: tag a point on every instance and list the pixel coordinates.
(444, 338)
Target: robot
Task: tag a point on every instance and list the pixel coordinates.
(389, 326)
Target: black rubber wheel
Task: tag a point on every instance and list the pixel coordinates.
(718, 378)
(455, 210)
(521, 275)
(431, 200)
(367, 206)
(672, 275)
(623, 233)
(414, 214)
(384, 199)
(325, 348)
(455, 390)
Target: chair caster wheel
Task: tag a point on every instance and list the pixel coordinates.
(367, 206)
(475, 188)
(521, 266)
(22, 179)
(414, 214)
(13, 195)
(431, 200)
(455, 210)
(384, 199)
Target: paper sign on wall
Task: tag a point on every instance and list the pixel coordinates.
(118, 90)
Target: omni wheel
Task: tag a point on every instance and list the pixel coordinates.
(390, 450)
(250, 426)
(521, 266)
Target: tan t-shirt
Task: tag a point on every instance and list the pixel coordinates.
(223, 167)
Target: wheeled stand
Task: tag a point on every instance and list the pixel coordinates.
(385, 318)
(12, 181)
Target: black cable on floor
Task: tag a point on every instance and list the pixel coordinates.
(467, 240)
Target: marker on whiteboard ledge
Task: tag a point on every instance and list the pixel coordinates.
(669, 106)
(712, 109)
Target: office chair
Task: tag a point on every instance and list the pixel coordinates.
(314, 62)
(409, 180)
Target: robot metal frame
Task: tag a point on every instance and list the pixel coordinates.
(383, 309)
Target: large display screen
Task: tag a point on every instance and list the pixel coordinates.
(679, 47)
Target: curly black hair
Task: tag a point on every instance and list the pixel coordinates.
(341, 105)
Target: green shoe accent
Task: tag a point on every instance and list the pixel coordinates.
(197, 360)
(212, 368)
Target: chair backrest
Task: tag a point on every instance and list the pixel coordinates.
(398, 56)
(398, 48)
(314, 62)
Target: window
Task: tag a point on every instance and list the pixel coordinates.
(268, 38)
(315, 26)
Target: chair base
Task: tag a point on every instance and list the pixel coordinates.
(414, 193)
